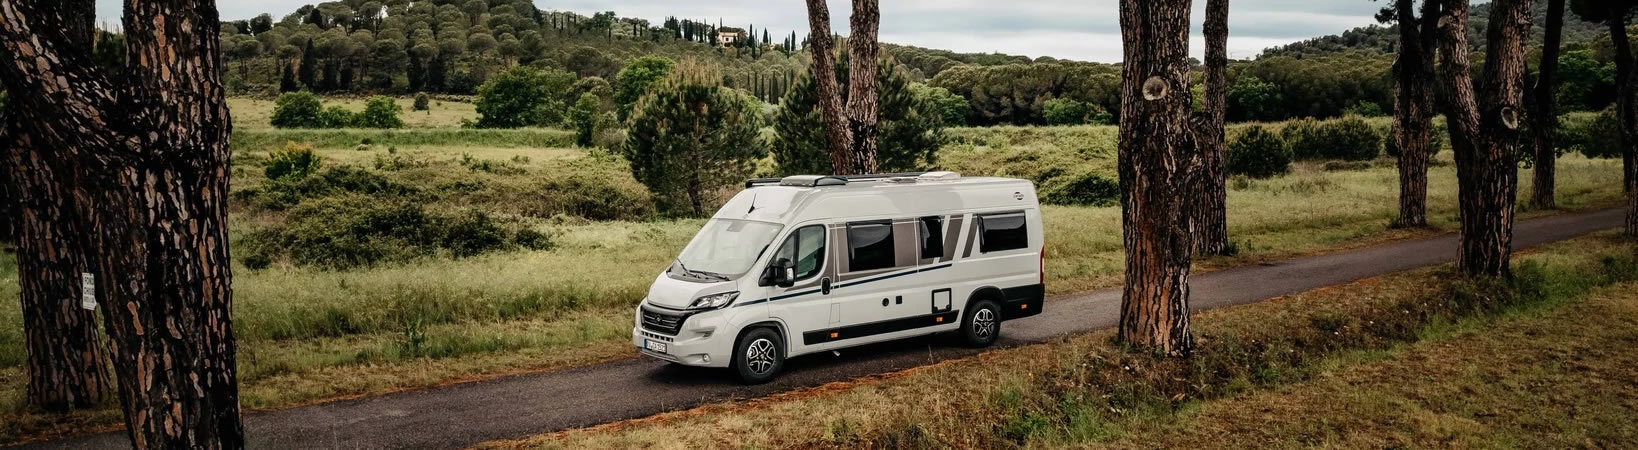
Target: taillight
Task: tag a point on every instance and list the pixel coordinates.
(1043, 265)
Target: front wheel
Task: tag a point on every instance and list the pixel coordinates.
(759, 355)
(982, 324)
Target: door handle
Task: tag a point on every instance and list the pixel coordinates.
(824, 286)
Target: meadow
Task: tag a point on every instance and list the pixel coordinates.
(309, 331)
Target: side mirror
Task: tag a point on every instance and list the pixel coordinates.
(781, 273)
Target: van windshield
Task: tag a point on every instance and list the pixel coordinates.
(726, 248)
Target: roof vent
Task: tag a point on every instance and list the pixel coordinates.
(939, 176)
(901, 180)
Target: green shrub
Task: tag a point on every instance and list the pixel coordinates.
(1364, 108)
(279, 194)
(1257, 153)
(1597, 136)
(583, 119)
(335, 117)
(347, 231)
(1085, 188)
(297, 110)
(1350, 138)
(1302, 136)
(1065, 111)
(593, 194)
(523, 96)
(422, 101)
(380, 112)
(473, 233)
(293, 162)
(534, 240)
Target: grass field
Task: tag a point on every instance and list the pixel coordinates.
(308, 333)
(254, 113)
(1405, 360)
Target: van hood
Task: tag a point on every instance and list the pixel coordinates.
(677, 294)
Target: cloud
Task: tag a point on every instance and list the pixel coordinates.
(1086, 30)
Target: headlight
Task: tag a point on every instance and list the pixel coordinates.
(714, 301)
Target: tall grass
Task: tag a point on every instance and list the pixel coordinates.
(265, 138)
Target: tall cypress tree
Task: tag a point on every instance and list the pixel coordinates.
(308, 63)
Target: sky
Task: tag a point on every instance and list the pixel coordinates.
(1086, 30)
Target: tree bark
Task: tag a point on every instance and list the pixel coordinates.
(1484, 130)
(1211, 208)
(1544, 115)
(147, 166)
(1627, 104)
(1413, 108)
(821, 45)
(65, 355)
(862, 98)
(1157, 158)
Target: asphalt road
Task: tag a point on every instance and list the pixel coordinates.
(519, 406)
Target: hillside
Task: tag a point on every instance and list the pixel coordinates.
(1385, 39)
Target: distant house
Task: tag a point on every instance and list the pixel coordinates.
(729, 35)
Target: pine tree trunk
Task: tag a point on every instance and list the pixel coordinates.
(1544, 117)
(1157, 158)
(65, 355)
(1484, 130)
(147, 165)
(862, 98)
(1627, 105)
(822, 45)
(1211, 208)
(65, 358)
(1413, 109)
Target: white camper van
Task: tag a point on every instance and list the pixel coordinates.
(813, 263)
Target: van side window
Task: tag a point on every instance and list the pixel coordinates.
(932, 237)
(870, 245)
(806, 248)
(1001, 232)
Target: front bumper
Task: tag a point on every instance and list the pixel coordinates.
(698, 342)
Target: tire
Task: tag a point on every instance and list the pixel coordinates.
(759, 356)
(981, 326)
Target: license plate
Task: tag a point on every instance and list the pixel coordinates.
(654, 346)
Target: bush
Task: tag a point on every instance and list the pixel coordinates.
(279, 194)
(1085, 188)
(523, 96)
(1064, 111)
(1598, 136)
(1364, 108)
(380, 112)
(422, 102)
(335, 117)
(294, 162)
(1349, 138)
(1303, 138)
(593, 194)
(1257, 153)
(583, 118)
(349, 231)
(297, 110)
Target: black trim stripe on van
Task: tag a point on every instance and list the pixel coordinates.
(855, 283)
(875, 328)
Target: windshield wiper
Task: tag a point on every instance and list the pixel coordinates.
(700, 273)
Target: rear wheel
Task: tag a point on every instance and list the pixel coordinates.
(981, 326)
(759, 355)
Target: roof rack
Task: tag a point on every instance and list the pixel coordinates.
(825, 180)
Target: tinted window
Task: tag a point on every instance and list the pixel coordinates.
(805, 247)
(870, 245)
(1001, 232)
(932, 237)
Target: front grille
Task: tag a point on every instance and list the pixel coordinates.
(656, 336)
(663, 322)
